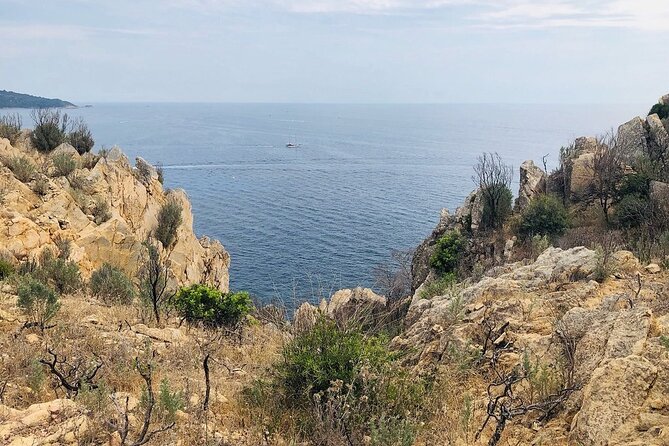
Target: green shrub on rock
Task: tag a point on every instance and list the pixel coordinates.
(38, 301)
(6, 269)
(22, 168)
(497, 201)
(62, 274)
(10, 127)
(662, 110)
(63, 164)
(447, 252)
(544, 216)
(169, 220)
(80, 137)
(201, 304)
(112, 285)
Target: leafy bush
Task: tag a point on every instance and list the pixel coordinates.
(208, 306)
(169, 402)
(49, 131)
(6, 269)
(169, 219)
(438, 287)
(80, 137)
(10, 127)
(37, 301)
(496, 206)
(41, 185)
(662, 110)
(63, 164)
(343, 385)
(63, 275)
(100, 211)
(447, 252)
(635, 184)
(112, 285)
(632, 211)
(545, 215)
(21, 167)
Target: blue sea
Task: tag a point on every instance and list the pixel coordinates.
(365, 179)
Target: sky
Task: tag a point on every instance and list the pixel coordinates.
(350, 51)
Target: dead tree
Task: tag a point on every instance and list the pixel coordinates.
(146, 433)
(72, 377)
(154, 280)
(608, 165)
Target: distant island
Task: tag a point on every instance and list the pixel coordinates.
(10, 99)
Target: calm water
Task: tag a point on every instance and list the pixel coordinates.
(366, 178)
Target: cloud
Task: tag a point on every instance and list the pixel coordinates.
(36, 32)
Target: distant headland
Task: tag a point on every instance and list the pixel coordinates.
(10, 99)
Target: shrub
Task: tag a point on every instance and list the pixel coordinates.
(447, 252)
(496, 206)
(80, 136)
(635, 184)
(10, 127)
(77, 180)
(22, 168)
(200, 304)
(49, 131)
(169, 219)
(545, 215)
(6, 269)
(169, 401)
(662, 110)
(100, 211)
(63, 275)
(112, 285)
(37, 301)
(438, 287)
(632, 211)
(63, 164)
(41, 185)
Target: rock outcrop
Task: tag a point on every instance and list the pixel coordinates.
(532, 183)
(357, 305)
(30, 222)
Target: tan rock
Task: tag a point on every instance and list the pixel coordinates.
(532, 183)
(653, 268)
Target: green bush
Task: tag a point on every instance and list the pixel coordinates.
(200, 304)
(438, 287)
(496, 206)
(10, 127)
(112, 285)
(545, 215)
(63, 164)
(632, 211)
(37, 301)
(447, 252)
(49, 131)
(6, 269)
(80, 137)
(169, 219)
(41, 185)
(662, 110)
(63, 275)
(22, 168)
(635, 184)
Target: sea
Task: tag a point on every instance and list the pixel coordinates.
(363, 180)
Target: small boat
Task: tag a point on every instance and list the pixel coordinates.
(291, 145)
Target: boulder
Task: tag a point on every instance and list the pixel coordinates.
(532, 183)
(581, 182)
(659, 196)
(657, 133)
(664, 100)
(304, 318)
(355, 305)
(632, 137)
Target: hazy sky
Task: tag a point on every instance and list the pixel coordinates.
(336, 50)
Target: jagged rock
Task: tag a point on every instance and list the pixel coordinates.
(67, 149)
(420, 263)
(625, 263)
(632, 137)
(664, 99)
(659, 195)
(582, 173)
(470, 213)
(657, 133)
(653, 268)
(30, 223)
(304, 318)
(614, 395)
(532, 183)
(358, 304)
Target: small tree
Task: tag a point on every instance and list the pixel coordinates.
(493, 178)
(607, 164)
(10, 127)
(447, 252)
(169, 220)
(37, 301)
(662, 110)
(50, 128)
(154, 276)
(112, 285)
(80, 136)
(545, 215)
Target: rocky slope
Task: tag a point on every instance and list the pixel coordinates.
(30, 222)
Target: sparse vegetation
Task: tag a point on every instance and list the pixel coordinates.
(154, 280)
(49, 129)
(80, 136)
(41, 185)
(63, 164)
(438, 287)
(22, 167)
(10, 127)
(6, 269)
(38, 302)
(58, 272)
(544, 216)
(493, 178)
(110, 284)
(101, 211)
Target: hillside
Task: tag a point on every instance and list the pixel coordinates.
(544, 322)
(10, 99)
